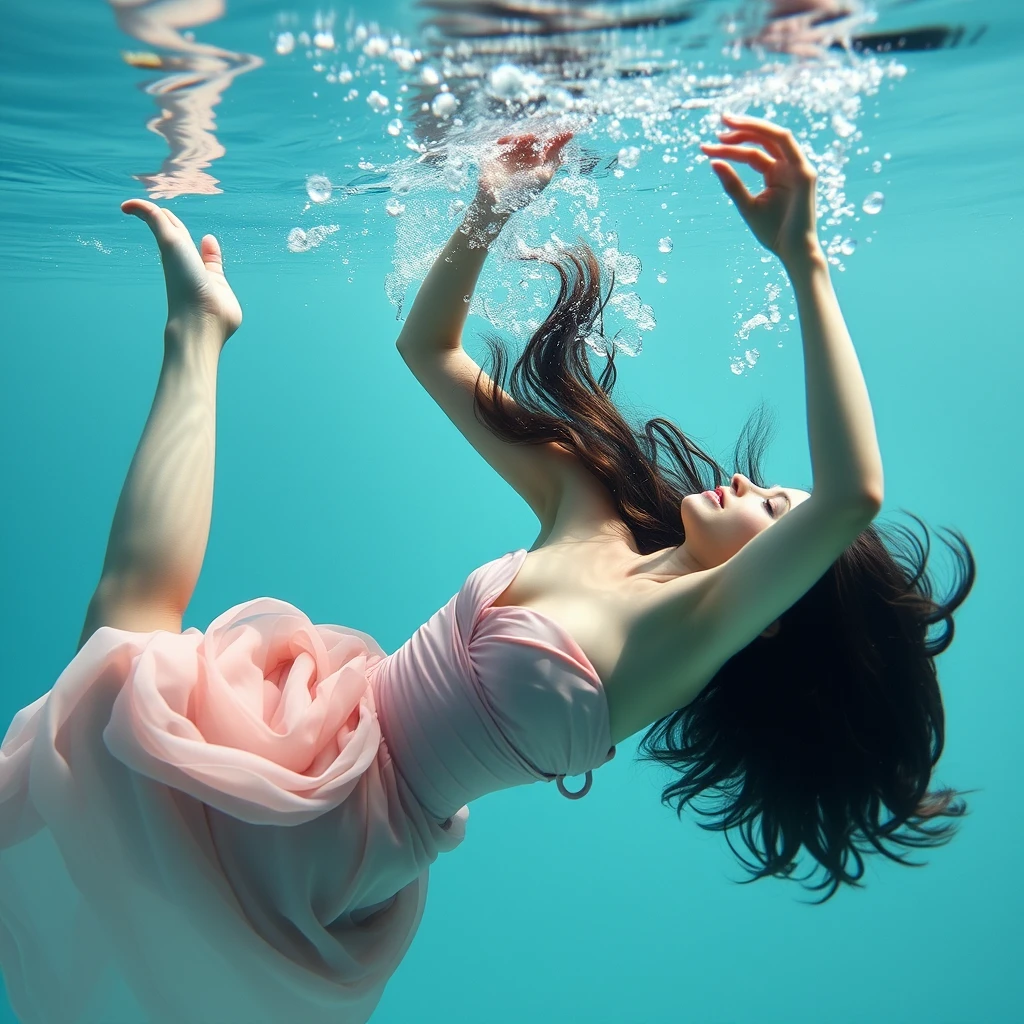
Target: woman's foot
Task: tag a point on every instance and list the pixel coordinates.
(198, 293)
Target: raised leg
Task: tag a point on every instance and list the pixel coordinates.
(162, 521)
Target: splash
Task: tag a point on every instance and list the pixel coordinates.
(640, 103)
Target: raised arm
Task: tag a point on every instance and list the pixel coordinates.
(431, 339)
(521, 167)
(845, 459)
(730, 604)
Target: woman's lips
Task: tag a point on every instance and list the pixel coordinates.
(715, 496)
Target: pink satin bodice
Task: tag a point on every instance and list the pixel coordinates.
(482, 698)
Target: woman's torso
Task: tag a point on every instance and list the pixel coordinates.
(583, 573)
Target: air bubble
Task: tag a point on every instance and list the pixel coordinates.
(405, 59)
(318, 188)
(285, 43)
(662, 277)
(848, 247)
(394, 207)
(378, 102)
(444, 105)
(873, 203)
(512, 84)
(395, 127)
(665, 244)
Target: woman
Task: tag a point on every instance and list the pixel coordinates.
(241, 820)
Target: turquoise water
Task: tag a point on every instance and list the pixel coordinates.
(342, 489)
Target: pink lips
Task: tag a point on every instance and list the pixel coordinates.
(715, 496)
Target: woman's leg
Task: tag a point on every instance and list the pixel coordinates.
(162, 521)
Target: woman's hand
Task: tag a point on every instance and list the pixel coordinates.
(519, 170)
(198, 294)
(782, 216)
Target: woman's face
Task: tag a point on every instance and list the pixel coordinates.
(718, 523)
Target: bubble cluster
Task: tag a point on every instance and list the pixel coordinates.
(629, 157)
(740, 364)
(639, 103)
(300, 240)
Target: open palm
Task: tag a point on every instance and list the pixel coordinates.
(197, 290)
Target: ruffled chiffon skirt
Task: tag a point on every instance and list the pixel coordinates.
(208, 828)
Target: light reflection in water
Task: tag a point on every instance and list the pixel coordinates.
(197, 74)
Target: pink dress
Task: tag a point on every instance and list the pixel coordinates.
(237, 825)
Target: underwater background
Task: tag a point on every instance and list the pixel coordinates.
(275, 129)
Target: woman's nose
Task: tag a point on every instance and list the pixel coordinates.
(739, 483)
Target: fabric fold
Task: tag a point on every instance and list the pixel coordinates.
(209, 827)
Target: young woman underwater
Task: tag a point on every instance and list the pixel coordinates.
(240, 821)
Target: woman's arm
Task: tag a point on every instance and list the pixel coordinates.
(521, 168)
(845, 458)
(162, 521)
(719, 611)
(431, 339)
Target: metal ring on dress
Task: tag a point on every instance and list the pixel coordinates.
(560, 779)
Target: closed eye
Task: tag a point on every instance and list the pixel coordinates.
(773, 509)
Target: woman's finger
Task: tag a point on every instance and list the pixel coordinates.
(734, 187)
(141, 208)
(782, 137)
(174, 219)
(517, 141)
(736, 136)
(758, 159)
(554, 146)
(153, 216)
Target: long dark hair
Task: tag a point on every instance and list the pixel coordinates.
(823, 737)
